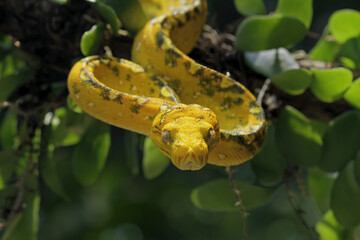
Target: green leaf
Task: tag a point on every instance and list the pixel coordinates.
(10, 64)
(294, 133)
(109, 15)
(218, 196)
(345, 198)
(91, 40)
(348, 63)
(72, 105)
(13, 73)
(269, 164)
(300, 9)
(10, 83)
(27, 222)
(320, 185)
(8, 131)
(47, 166)
(258, 33)
(5, 45)
(154, 162)
(357, 167)
(344, 24)
(352, 95)
(12, 225)
(250, 7)
(330, 229)
(132, 151)
(271, 62)
(319, 127)
(130, 13)
(351, 50)
(326, 49)
(62, 2)
(293, 82)
(91, 152)
(330, 85)
(67, 126)
(49, 173)
(8, 162)
(341, 141)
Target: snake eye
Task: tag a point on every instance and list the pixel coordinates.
(211, 136)
(165, 136)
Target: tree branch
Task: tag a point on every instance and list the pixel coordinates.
(299, 212)
(238, 202)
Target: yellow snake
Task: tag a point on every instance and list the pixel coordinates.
(193, 114)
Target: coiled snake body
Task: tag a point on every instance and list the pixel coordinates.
(193, 114)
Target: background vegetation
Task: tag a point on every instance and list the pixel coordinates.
(65, 175)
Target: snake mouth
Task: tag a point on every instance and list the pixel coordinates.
(190, 161)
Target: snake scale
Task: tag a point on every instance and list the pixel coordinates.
(193, 114)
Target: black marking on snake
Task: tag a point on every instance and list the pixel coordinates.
(115, 70)
(196, 9)
(187, 16)
(91, 64)
(259, 137)
(187, 65)
(158, 81)
(163, 116)
(76, 90)
(198, 72)
(164, 23)
(254, 104)
(91, 82)
(207, 84)
(118, 99)
(157, 129)
(259, 115)
(207, 81)
(105, 93)
(230, 116)
(238, 137)
(164, 150)
(171, 56)
(175, 85)
(128, 77)
(105, 61)
(159, 39)
(135, 108)
(228, 102)
(234, 89)
(84, 74)
(175, 14)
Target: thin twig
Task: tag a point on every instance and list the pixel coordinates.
(238, 202)
(21, 185)
(299, 212)
(300, 181)
(13, 107)
(263, 90)
(313, 35)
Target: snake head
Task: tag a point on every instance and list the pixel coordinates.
(186, 134)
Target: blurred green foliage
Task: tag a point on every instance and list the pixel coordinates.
(67, 177)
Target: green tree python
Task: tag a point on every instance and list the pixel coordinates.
(193, 114)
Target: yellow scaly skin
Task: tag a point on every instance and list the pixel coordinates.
(193, 114)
